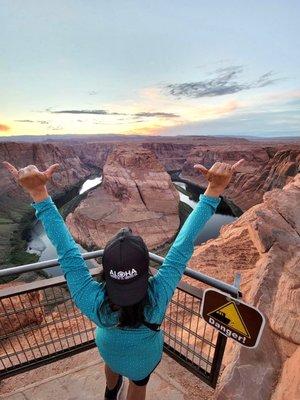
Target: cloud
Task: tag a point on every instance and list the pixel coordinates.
(55, 128)
(156, 114)
(31, 122)
(225, 82)
(93, 93)
(145, 114)
(266, 119)
(94, 112)
(4, 128)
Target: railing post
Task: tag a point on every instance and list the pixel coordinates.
(222, 340)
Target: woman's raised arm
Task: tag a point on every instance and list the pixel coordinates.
(169, 274)
(86, 292)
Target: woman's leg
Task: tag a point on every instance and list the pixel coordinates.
(136, 392)
(111, 378)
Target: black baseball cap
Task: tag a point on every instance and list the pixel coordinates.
(126, 268)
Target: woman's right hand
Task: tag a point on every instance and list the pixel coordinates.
(32, 180)
(218, 176)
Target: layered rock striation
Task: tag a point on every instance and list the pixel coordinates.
(265, 168)
(136, 192)
(264, 246)
(14, 203)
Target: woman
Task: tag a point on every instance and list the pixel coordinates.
(128, 306)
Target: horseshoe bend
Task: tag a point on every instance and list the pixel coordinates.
(262, 244)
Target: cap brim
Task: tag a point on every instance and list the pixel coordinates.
(129, 293)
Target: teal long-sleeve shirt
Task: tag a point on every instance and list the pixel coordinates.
(131, 352)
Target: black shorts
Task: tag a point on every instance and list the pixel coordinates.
(143, 382)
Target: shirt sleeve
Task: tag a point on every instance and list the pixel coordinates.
(87, 293)
(169, 274)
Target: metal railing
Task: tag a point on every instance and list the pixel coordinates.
(39, 323)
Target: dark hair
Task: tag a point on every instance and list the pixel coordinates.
(129, 316)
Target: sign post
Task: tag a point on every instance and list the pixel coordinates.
(232, 317)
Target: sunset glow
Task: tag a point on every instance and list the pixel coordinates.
(122, 68)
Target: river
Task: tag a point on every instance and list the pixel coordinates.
(212, 227)
(41, 245)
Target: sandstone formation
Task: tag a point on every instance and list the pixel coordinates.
(265, 168)
(92, 153)
(269, 164)
(27, 334)
(289, 384)
(136, 192)
(264, 246)
(20, 311)
(72, 169)
(172, 152)
(14, 203)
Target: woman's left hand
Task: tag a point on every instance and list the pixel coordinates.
(218, 176)
(32, 180)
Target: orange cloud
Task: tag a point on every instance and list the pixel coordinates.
(4, 128)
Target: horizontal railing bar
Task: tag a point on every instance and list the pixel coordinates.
(60, 280)
(188, 344)
(40, 284)
(216, 283)
(43, 264)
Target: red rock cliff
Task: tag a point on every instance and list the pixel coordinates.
(264, 246)
(136, 192)
(14, 203)
(265, 168)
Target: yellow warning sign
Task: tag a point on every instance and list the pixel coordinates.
(232, 317)
(229, 315)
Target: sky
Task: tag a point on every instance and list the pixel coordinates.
(167, 67)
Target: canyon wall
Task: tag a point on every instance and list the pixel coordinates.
(264, 246)
(265, 168)
(92, 153)
(14, 203)
(171, 152)
(136, 192)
